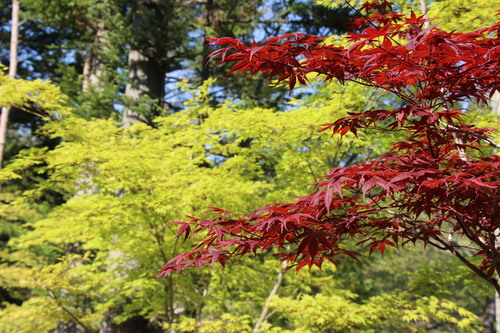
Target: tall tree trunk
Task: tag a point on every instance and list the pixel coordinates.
(146, 72)
(144, 81)
(495, 106)
(488, 319)
(205, 71)
(14, 41)
(94, 66)
(145, 86)
(495, 102)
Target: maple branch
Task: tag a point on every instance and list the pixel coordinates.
(466, 231)
(458, 141)
(372, 85)
(455, 129)
(426, 25)
(65, 309)
(431, 146)
(473, 267)
(361, 14)
(422, 175)
(438, 246)
(369, 22)
(313, 174)
(265, 310)
(475, 240)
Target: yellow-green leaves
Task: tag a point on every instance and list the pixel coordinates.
(100, 250)
(457, 15)
(39, 97)
(388, 312)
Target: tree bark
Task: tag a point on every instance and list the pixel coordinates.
(423, 6)
(144, 79)
(488, 319)
(146, 71)
(14, 41)
(495, 106)
(94, 67)
(495, 102)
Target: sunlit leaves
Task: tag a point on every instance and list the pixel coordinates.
(428, 186)
(150, 177)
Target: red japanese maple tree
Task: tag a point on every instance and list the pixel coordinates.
(438, 187)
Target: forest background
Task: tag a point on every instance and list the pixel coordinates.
(135, 131)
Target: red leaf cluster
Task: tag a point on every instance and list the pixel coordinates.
(431, 188)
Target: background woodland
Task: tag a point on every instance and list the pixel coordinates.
(118, 128)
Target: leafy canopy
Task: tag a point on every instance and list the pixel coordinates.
(147, 177)
(438, 187)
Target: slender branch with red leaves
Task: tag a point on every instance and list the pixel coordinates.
(432, 188)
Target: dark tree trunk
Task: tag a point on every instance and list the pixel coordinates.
(489, 316)
(146, 63)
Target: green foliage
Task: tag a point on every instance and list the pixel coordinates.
(456, 15)
(227, 324)
(97, 253)
(390, 312)
(146, 178)
(21, 94)
(315, 302)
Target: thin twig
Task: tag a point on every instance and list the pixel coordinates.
(265, 309)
